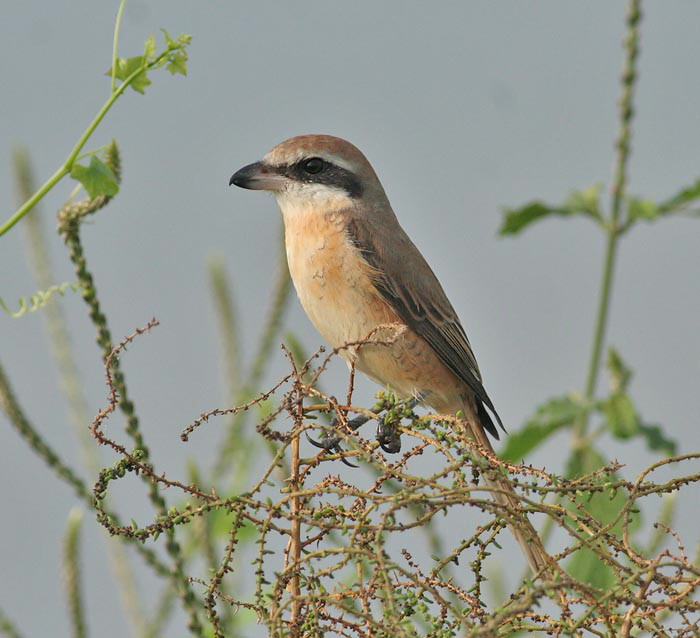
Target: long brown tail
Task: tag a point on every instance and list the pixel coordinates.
(521, 528)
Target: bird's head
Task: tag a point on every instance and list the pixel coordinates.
(313, 171)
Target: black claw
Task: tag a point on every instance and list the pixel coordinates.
(330, 443)
(326, 443)
(344, 460)
(392, 447)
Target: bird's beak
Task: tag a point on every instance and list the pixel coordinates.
(258, 177)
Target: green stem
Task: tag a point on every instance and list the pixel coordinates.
(622, 145)
(10, 406)
(68, 164)
(72, 579)
(34, 199)
(602, 318)
(100, 116)
(115, 44)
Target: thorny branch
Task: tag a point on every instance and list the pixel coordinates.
(343, 557)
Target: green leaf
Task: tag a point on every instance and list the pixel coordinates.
(639, 209)
(585, 202)
(149, 48)
(125, 67)
(177, 63)
(620, 416)
(620, 373)
(656, 440)
(585, 564)
(97, 178)
(583, 461)
(642, 209)
(681, 199)
(619, 413)
(515, 219)
(168, 40)
(549, 417)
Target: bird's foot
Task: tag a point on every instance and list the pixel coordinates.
(330, 443)
(330, 440)
(395, 410)
(389, 438)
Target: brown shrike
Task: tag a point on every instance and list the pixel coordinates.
(354, 269)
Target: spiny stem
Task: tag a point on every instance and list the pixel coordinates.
(69, 226)
(622, 145)
(104, 340)
(10, 406)
(294, 551)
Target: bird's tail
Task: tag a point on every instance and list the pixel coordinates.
(519, 525)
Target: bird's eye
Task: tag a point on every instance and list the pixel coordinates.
(313, 165)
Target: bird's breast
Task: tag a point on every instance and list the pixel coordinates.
(331, 278)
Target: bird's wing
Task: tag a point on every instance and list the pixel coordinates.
(415, 294)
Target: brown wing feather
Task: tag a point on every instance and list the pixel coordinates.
(418, 298)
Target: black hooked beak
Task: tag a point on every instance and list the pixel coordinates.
(258, 176)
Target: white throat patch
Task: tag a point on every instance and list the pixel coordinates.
(307, 197)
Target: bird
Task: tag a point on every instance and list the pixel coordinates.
(355, 271)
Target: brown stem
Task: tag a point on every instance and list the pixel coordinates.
(295, 543)
(629, 616)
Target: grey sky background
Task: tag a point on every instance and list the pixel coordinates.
(462, 108)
